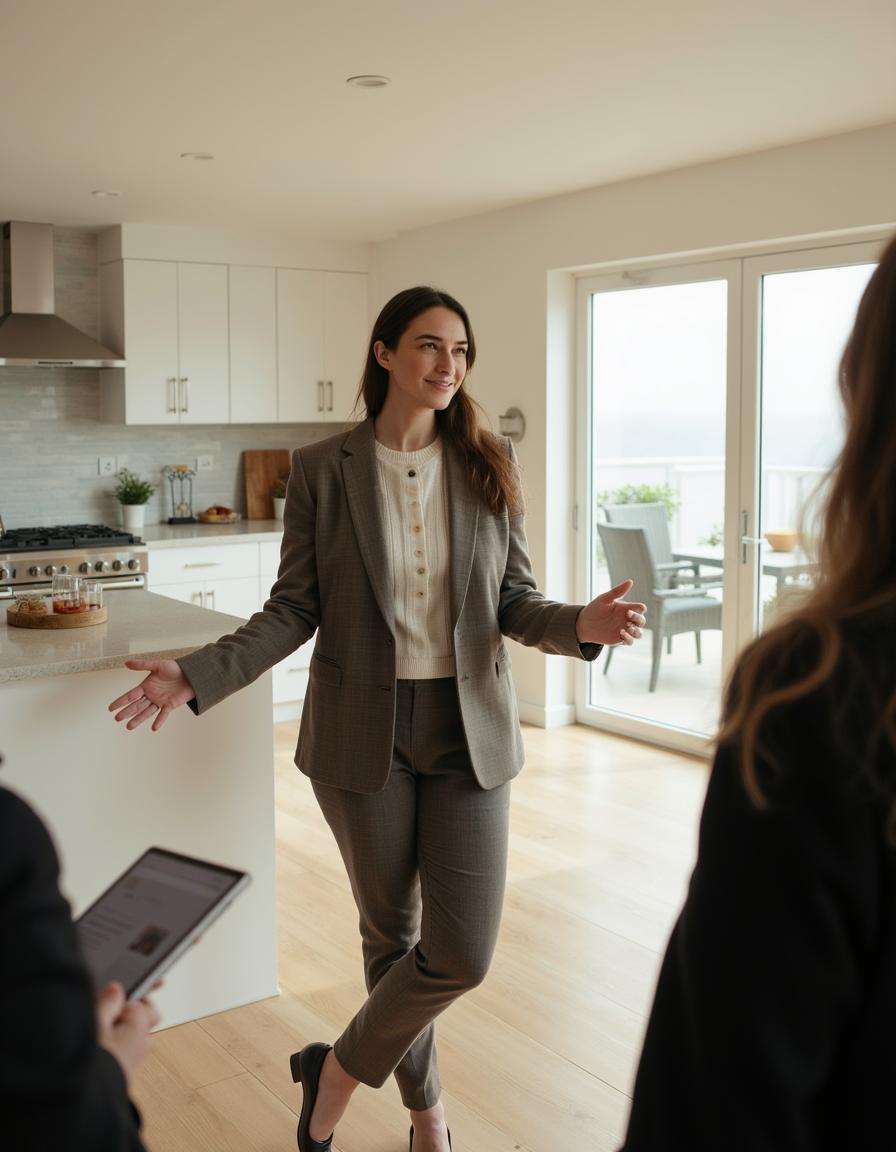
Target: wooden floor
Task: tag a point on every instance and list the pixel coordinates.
(542, 1055)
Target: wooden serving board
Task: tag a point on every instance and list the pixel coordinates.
(51, 620)
(263, 468)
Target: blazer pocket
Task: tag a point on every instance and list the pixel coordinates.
(325, 670)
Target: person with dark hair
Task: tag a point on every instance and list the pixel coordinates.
(404, 547)
(65, 1054)
(774, 1022)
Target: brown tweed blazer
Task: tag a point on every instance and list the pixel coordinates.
(334, 578)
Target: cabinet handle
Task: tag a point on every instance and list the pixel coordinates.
(172, 393)
(320, 395)
(330, 401)
(197, 599)
(185, 395)
(211, 596)
(205, 564)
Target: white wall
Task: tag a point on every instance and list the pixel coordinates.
(504, 267)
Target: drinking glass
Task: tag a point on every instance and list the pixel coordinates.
(94, 592)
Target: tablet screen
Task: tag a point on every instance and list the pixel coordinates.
(152, 914)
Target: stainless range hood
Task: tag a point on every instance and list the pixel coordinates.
(31, 335)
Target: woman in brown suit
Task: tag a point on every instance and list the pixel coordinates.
(404, 548)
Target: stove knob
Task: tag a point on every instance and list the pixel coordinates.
(116, 565)
(64, 568)
(4, 573)
(51, 570)
(34, 570)
(133, 565)
(84, 567)
(101, 566)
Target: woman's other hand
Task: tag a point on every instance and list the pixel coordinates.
(163, 690)
(609, 619)
(123, 1026)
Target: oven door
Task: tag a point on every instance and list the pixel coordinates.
(109, 583)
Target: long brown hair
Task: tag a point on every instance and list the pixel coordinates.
(492, 475)
(845, 630)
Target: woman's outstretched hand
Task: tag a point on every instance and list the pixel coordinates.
(609, 619)
(163, 690)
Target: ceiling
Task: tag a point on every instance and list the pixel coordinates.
(492, 102)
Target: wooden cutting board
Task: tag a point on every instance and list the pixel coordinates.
(263, 468)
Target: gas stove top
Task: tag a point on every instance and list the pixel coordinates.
(31, 557)
(65, 536)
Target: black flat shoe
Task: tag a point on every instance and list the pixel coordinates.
(305, 1067)
(411, 1139)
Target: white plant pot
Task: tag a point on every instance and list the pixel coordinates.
(133, 517)
(279, 505)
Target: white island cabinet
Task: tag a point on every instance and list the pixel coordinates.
(202, 785)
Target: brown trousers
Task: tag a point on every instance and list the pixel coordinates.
(427, 861)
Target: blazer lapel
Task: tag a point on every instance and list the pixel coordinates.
(362, 490)
(463, 521)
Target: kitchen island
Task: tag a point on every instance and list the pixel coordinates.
(201, 785)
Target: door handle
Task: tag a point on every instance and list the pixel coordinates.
(320, 395)
(197, 599)
(745, 538)
(330, 401)
(211, 596)
(185, 395)
(172, 393)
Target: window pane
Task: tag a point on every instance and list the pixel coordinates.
(658, 379)
(806, 319)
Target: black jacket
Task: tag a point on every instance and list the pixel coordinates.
(774, 1023)
(59, 1090)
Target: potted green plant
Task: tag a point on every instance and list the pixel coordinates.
(133, 493)
(279, 494)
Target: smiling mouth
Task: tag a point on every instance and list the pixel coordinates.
(441, 383)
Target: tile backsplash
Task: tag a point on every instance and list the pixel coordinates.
(51, 436)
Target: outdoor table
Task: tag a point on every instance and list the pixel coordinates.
(781, 565)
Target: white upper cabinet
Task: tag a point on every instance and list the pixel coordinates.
(237, 344)
(321, 343)
(253, 345)
(171, 320)
(203, 378)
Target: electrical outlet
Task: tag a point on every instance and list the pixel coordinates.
(105, 466)
(205, 463)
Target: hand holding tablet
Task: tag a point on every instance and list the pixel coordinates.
(151, 915)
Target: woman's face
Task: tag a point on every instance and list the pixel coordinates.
(429, 363)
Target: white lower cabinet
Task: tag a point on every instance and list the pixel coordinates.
(235, 579)
(290, 676)
(221, 577)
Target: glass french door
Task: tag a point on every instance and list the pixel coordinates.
(708, 414)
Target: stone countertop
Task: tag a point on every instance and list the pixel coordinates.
(141, 625)
(188, 535)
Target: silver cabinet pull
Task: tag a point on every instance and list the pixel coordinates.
(197, 599)
(330, 401)
(172, 393)
(205, 564)
(211, 596)
(320, 395)
(185, 394)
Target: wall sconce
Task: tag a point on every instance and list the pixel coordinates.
(513, 424)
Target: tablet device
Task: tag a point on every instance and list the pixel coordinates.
(151, 915)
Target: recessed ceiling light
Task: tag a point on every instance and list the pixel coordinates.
(368, 81)
(196, 156)
(101, 192)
